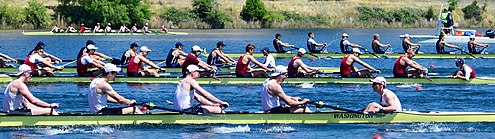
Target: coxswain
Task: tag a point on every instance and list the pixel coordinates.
(70, 29)
(279, 45)
(347, 69)
(56, 29)
(86, 61)
(134, 28)
(345, 44)
(272, 92)
(243, 70)
(123, 29)
(108, 28)
(176, 56)
(97, 28)
(217, 57)
(46, 56)
(401, 64)
(312, 44)
(145, 28)
(378, 47)
(296, 63)
(96, 55)
(473, 46)
(193, 59)
(407, 44)
(465, 71)
(136, 63)
(389, 102)
(127, 55)
(440, 45)
(18, 100)
(34, 60)
(164, 29)
(101, 92)
(189, 90)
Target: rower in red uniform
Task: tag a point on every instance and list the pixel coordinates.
(347, 69)
(193, 59)
(296, 62)
(35, 59)
(465, 71)
(86, 60)
(136, 63)
(400, 66)
(243, 70)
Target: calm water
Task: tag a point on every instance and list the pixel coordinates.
(73, 97)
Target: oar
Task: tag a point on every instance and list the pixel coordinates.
(368, 52)
(466, 52)
(320, 104)
(152, 106)
(68, 63)
(309, 53)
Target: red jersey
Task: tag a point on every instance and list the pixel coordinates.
(190, 59)
(134, 67)
(344, 68)
(291, 70)
(398, 68)
(32, 65)
(241, 68)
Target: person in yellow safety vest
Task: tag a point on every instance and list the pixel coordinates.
(448, 21)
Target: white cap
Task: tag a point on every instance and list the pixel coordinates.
(345, 35)
(92, 47)
(192, 68)
(196, 48)
(111, 67)
(406, 35)
(356, 50)
(23, 68)
(144, 49)
(146, 24)
(471, 36)
(109, 24)
(279, 70)
(302, 50)
(379, 80)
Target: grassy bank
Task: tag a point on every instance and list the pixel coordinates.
(316, 14)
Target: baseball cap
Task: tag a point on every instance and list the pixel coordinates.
(196, 48)
(92, 47)
(302, 50)
(40, 43)
(23, 68)
(192, 68)
(276, 35)
(178, 44)
(356, 50)
(406, 35)
(279, 70)
(220, 43)
(345, 35)
(109, 24)
(90, 42)
(379, 80)
(266, 49)
(460, 60)
(144, 49)
(134, 44)
(471, 36)
(111, 67)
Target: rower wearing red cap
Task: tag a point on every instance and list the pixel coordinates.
(136, 63)
(389, 102)
(404, 61)
(243, 70)
(347, 69)
(296, 63)
(465, 71)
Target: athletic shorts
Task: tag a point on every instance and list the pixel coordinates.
(351, 75)
(380, 52)
(396, 75)
(298, 75)
(23, 111)
(279, 109)
(176, 65)
(348, 52)
(87, 74)
(110, 111)
(245, 75)
(138, 74)
(194, 109)
(36, 73)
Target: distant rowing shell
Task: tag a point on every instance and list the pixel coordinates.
(97, 34)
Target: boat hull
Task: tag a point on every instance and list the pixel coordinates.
(449, 39)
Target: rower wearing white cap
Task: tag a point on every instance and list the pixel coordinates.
(18, 100)
(406, 44)
(108, 28)
(347, 69)
(101, 92)
(345, 44)
(474, 46)
(272, 92)
(96, 56)
(136, 63)
(243, 70)
(34, 60)
(296, 63)
(145, 28)
(389, 102)
(97, 28)
(193, 59)
(86, 61)
(189, 90)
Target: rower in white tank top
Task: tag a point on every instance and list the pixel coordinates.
(267, 101)
(384, 102)
(11, 101)
(183, 99)
(96, 101)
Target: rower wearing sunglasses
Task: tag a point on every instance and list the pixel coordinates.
(404, 61)
(389, 102)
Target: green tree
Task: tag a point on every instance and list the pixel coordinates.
(473, 11)
(429, 14)
(36, 14)
(177, 16)
(254, 10)
(207, 11)
(453, 4)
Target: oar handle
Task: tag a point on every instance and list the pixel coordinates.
(152, 106)
(320, 104)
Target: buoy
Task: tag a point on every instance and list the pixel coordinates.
(377, 137)
(432, 66)
(313, 59)
(419, 88)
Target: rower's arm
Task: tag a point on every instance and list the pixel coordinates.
(413, 64)
(31, 98)
(202, 100)
(303, 66)
(106, 88)
(364, 64)
(7, 57)
(449, 45)
(277, 90)
(182, 53)
(354, 45)
(410, 43)
(205, 93)
(102, 55)
(258, 63)
(204, 65)
(48, 64)
(479, 45)
(224, 57)
(145, 60)
(97, 64)
(52, 57)
(380, 44)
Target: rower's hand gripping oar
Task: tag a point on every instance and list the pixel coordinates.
(320, 104)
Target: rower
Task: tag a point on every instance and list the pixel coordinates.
(347, 69)
(193, 59)
(472, 46)
(123, 29)
(440, 45)
(217, 57)
(279, 45)
(86, 60)
(189, 90)
(176, 56)
(312, 44)
(269, 60)
(46, 56)
(344, 45)
(18, 100)
(136, 63)
(96, 55)
(465, 71)
(56, 29)
(127, 55)
(389, 102)
(70, 29)
(378, 47)
(145, 28)
(272, 92)
(134, 28)
(4, 59)
(35, 59)
(407, 44)
(108, 29)
(100, 90)
(84, 29)
(296, 63)
(243, 70)
(401, 64)
(97, 28)
(164, 29)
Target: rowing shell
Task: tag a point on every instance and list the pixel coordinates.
(98, 34)
(332, 117)
(231, 80)
(449, 39)
(395, 55)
